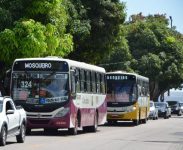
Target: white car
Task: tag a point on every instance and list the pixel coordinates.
(12, 121)
(153, 111)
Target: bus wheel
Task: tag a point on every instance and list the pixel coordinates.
(144, 120)
(74, 131)
(136, 122)
(28, 131)
(95, 126)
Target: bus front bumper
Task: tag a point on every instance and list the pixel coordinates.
(48, 123)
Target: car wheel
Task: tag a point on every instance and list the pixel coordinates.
(21, 137)
(3, 136)
(179, 113)
(165, 117)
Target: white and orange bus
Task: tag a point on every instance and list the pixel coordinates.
(59, 93)
(127, 97)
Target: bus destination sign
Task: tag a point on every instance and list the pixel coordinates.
(41, 66)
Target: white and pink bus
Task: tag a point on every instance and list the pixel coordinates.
(59, 93)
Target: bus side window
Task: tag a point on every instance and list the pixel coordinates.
(77, 76)
(91, 88)
(85, 81)
(102, 83)
(135, 93)
(82, 81)
(88, 81)
(97, 82)
(139, 90)
(93, 82)
(73, 82)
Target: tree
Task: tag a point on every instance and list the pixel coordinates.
(158, 52)
(94, 26)
(38, 28)
(120, 57)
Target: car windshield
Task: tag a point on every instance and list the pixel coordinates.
(172, 103)
(160, 104)
(1, 106)
(40, 88)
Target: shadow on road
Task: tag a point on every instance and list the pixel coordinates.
(120, 124)
(60, 132)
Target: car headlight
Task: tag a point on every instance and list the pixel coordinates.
(62, 112)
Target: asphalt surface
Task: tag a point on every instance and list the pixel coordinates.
(161, 134)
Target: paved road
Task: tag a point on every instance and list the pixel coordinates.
(162, 134)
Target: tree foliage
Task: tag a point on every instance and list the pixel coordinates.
(158, 52)
(35, 28)
(94, 25)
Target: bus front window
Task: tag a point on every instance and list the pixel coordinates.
(54, 85)
(40, 88)
(121, 91)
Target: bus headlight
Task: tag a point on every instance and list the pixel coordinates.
(62, 112)
(134, 107)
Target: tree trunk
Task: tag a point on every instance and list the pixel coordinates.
(154, 90)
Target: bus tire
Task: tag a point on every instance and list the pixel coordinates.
(94, 127)
(28, 131)
(144, 120)
(136, 122)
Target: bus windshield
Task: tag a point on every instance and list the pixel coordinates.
(40, 87)
(121, 91)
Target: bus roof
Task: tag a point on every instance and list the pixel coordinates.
(127, 73)
(71, 63)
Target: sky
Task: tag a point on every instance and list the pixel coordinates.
(173, 8)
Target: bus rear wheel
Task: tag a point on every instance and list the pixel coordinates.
(144, 120)
(94, 127)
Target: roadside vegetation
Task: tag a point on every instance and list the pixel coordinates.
(94, 32)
